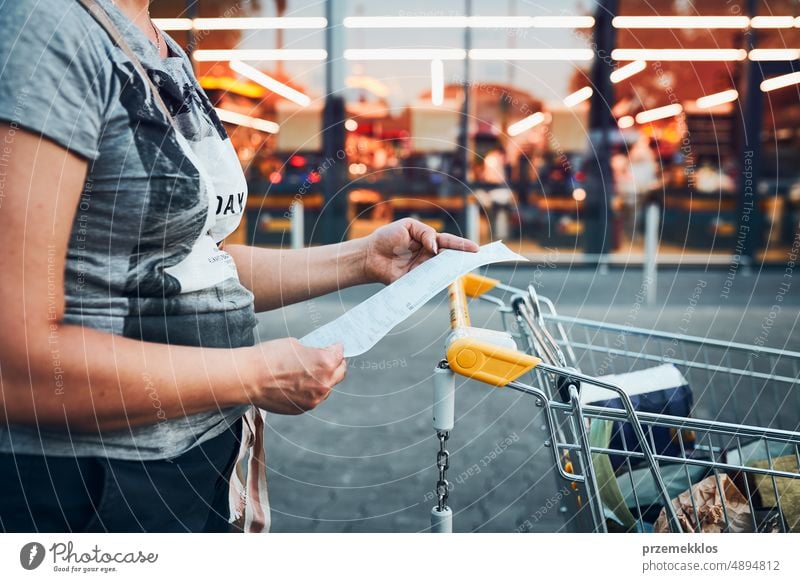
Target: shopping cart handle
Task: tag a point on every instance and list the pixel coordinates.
(488, 363)
(474, 357)
(477, 285)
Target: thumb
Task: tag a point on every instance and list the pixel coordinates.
(337, 348)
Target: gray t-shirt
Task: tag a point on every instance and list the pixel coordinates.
(156, 202)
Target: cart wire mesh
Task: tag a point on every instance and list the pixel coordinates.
(731, 463)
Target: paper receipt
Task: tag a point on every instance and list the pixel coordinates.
(363, 326)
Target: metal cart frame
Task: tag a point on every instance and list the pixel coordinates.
(750, 437)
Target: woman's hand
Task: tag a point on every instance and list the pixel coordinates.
(294, 378)
(396, 248)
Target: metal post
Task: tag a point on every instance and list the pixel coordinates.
(463, 154)
(597, 210)
(334, 179)
(191, 37)
(502, 223)
(748, 233)
(652, 218)
(297, 226)
(473, 229)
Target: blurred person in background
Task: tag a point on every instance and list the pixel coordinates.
(497, 199)
(636, 175)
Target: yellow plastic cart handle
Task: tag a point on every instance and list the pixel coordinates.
(478, 359)
(477, 285)
(488, 363)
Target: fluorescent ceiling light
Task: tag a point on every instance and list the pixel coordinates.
(260, 55)
(247, 121)
(501, 21)
(531, 54)
(437, 82)
(738, 22)
(625, 122)
(406, 22)
(628, 71)
(563, 21)
(404, 54)
(173, 23)
(525, 124)
(469, 22)
(270, 83)
(772, 22)
(659, 113)
(780, 82)
(715, 99)
(679, 54)
(578, 96)
(774, 54)
(282, 22)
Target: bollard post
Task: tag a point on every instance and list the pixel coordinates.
(502, 224)
(650, 263)
(297, 226)
(473, 221)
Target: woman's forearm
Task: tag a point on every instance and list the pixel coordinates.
(88, 380)
(282, 277)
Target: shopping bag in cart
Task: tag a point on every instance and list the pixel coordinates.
(713, 505)
(772, 494)
(659, 390)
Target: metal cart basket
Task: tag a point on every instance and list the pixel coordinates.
(728, 461)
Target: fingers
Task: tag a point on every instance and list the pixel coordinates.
(335, 374)
(340, 373)
(414, 247)
(451, 241)
(433, 242)
(337, 349)
(335, 365)
(423, 233)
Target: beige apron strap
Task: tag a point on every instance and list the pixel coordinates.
(102, 18)
(248, 495)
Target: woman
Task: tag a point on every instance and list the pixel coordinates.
(127, 353)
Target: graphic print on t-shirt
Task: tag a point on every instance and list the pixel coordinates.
(209, 205)
(169, 224)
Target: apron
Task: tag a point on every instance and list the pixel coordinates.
(206, 264)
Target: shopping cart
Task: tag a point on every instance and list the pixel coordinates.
(729, 462)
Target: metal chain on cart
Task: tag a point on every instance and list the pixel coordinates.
(442, 463)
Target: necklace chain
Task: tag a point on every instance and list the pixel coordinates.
(157, 33)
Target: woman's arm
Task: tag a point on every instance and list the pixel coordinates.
(53, 374)
(282, 277)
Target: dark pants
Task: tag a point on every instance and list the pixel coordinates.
(93, 494)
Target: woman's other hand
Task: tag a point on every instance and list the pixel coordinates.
(395, 249)
(294, 378)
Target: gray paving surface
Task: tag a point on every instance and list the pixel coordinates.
(364, 460)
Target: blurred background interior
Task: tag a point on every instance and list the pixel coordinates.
(549, 124)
